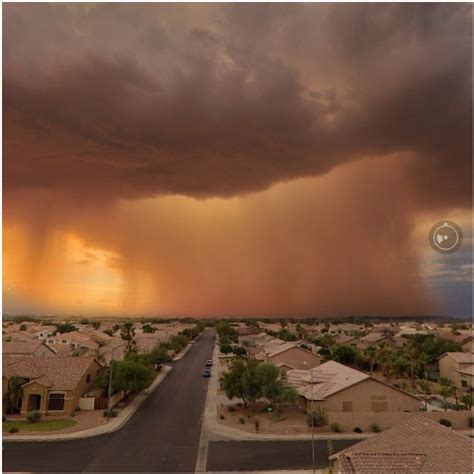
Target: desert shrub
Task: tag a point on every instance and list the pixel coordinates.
(471, 421)
(113, 413)
(445, 422)
(242, 420)
(316, 418)
(374, 427)
(231, 409)
(336, 427)
(256, 423)
(357, 430)
(222, 417)
(13, 429)
(33, 416)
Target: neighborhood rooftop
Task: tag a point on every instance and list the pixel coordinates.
(416, 445)
(324, 380)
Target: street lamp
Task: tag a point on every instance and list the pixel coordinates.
(312, 417)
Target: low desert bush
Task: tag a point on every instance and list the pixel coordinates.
(33, 416)
(231, 409)
(13, 429)
(357, 430)
(316, 418)
(336, 427)
(374, 427)
(445, 422)
(113, 413)
(256, 423)
(221, 417)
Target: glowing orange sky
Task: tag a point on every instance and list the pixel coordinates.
(235, 159)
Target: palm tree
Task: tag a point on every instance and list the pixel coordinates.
(370, 354)
(445, 391)
(14, 391)
(385, 356)
(127, 332)
(467, 399)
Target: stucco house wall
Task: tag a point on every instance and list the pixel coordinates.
(71, 397)
(370, 395)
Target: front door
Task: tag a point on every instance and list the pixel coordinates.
(34, 402)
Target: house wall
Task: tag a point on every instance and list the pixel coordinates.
(364, 395)
(449, 368)
(295, 357)
(468, 379)
(468, 346)
(71, 399)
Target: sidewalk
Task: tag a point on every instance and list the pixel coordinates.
(113, 425)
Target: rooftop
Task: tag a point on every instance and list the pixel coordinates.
(324, 380)
(416, 445)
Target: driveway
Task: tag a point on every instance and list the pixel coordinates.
(162, 436)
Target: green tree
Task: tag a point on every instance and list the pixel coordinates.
(241, 381)
(178, 342)
(273, 386)
(344, 354)
(445, 391)
(148, 328)
(65, 327)
(370, 354)
(127, 332)
(129, 375)
(468, 400)
(14, 391)
(225, 348)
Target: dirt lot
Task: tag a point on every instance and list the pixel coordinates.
(291, 420)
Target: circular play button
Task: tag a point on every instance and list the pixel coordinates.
(445, 237)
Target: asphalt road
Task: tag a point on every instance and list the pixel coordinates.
(269, 455)
(162, 436)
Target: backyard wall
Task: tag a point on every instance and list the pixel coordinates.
(348, 421)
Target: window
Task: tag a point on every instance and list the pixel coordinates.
(347, 406)
(88, 378)
(56, 402)
(379, 403)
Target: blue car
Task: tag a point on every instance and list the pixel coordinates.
(207, 373)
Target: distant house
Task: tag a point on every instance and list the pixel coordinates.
(289, 356)
(418, 445)
(374, 339)
(334, 387)
(26, 349)
(344, 339)
(452, 364)
(53, 384)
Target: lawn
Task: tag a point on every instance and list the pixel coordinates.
(49, 425)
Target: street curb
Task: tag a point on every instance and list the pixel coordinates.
(114, 425)
(183, 352)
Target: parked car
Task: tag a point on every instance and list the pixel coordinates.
(207, 373)
(209, 363)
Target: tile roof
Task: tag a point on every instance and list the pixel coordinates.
(460, 357)
(328, 378)
(416, 445)
(57, 373)
(469, 370)
(373, 337)
(22, 347)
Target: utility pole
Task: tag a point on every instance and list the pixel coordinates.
(313, 460)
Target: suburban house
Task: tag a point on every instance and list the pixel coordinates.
(53, 384)
(452, 363)
(333, 387)
(344, 339)
(72, 341)
(418, 445)
(288, 356)
(26, 349)
(375, 338)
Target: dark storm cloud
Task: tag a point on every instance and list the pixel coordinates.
(136, 100)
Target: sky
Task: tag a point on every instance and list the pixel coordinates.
(236, 159)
